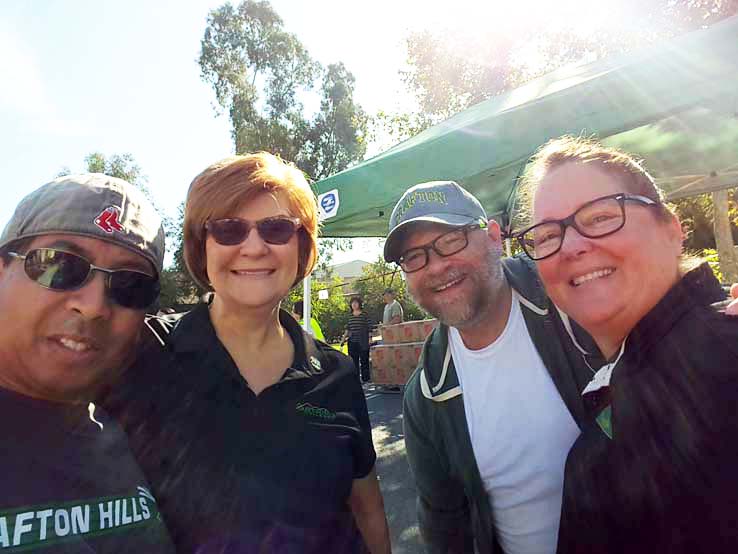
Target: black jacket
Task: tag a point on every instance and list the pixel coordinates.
(666, 481)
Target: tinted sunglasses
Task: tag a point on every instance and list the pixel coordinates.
(272, 230)
(63, 271)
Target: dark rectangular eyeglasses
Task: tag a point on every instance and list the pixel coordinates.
(63, 271)
(444, 245)
(272, 230)
(595, 219)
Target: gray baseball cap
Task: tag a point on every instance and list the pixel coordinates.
(434, 202)
(91, 205)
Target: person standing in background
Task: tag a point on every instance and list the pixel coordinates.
(357, 332)
(314, 328)
(392, 310)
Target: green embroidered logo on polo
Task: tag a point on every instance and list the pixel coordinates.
(604, 420)
(420, 196)
(308, 409)
(33, 527)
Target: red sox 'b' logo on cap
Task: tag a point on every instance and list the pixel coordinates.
(108, 220)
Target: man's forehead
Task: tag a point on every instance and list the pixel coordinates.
(98, 251)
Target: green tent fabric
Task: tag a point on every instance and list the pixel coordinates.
(690, 153)
(650, 102)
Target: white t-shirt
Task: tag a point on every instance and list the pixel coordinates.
(521, 432)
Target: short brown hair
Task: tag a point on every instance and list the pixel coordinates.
(228, 185)
(570, 149)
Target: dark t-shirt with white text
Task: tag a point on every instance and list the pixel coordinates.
(69, 484)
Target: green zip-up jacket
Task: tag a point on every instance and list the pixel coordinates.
(454, 510)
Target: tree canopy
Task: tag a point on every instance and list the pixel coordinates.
(375, 279)
(261, 74)
(449, 71)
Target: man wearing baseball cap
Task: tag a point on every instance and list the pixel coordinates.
(494, 406)
(79, 263)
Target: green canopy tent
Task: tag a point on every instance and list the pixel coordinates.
(675, 104)
(690, 153)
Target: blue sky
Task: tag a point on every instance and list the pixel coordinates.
(112, 77)
(116, 77)
(80, 76)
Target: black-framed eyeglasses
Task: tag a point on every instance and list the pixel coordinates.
(234, 230)
(445, 245)
(595, 219)
(63, 271)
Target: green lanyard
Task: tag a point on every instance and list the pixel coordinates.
(604, 420)
(599, 381)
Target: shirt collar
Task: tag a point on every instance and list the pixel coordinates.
(195, 333)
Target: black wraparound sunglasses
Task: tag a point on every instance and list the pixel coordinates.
(63, 271)
(234, 230)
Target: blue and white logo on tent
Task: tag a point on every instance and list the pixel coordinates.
(328, 203)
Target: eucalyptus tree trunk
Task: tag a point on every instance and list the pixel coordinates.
(724, 238)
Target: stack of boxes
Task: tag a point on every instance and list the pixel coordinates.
(396, 358)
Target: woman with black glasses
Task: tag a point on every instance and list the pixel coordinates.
(255, 437)
(655, 470)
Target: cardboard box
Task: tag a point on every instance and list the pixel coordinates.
(378, 358)
(408, 361)
(427, 326)
(392, 364)
(381, 375)
(390, 334)
(410, 331)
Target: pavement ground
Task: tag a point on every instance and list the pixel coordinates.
(395, 481)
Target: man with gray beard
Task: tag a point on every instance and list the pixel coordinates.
(495, 403)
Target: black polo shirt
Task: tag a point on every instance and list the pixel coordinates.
(237, 472)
